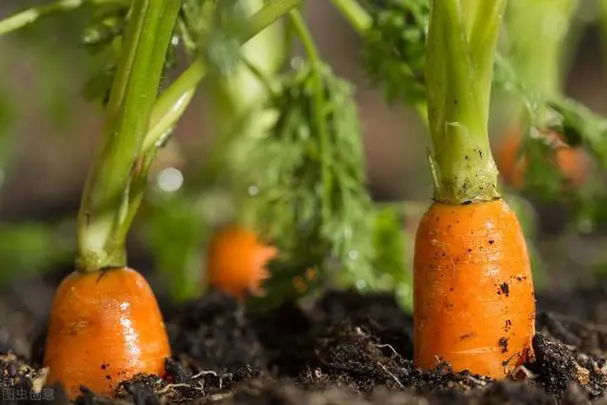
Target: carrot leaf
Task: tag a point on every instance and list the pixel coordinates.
(310, 198)
(394, 48)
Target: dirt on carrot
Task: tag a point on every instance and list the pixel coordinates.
(346, 349)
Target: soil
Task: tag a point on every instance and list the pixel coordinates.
(345, 349)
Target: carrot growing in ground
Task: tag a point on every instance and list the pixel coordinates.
(237, 260)
(116, 323)
(536, 51)
(105, 324)
(473, 294)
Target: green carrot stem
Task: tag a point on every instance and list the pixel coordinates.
(318, 106)
(113, 193)
(173, 101)
(356, 15)
(107, 210)
(459, 69)
(305, 37)
(237, 93)
(31, 15)
(536, 34)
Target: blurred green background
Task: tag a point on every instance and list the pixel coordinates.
(48, 130)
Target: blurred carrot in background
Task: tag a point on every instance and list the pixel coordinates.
(536, 45)
(237, 261)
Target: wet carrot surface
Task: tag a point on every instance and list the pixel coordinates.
(105, 327)
(474, 303)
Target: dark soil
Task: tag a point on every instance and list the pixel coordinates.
(347, 349)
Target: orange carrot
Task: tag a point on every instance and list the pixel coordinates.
(572, 162)
(236, 261)
(105, 327)
(474, 304)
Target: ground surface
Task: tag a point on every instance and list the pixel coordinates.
(347, 349)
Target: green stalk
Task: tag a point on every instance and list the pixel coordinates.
(172, 103)
(318, 105)
(242, 90)
(356, 15)
(174, 100)
(459, 70)
(108, 205)
(537, 30)
(29, 16)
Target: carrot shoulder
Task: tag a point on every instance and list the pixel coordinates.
(474, 305)
(105, 327)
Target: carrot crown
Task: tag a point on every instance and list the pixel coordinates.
(114, 186)
(459, 69)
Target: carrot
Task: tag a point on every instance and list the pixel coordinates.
(478, 314)
(236, 261)
(105, 327)
(474, 304)
(572, 162)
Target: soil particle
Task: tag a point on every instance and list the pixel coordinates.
(563, 371)
(554, 365)
(505, 289)
(503, 343)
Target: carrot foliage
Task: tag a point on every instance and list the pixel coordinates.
(309, 193)
(394, 55)
(394, 48)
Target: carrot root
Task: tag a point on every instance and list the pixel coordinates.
(474, 303)
(105, 327)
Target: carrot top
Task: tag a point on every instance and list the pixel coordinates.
(459, 69)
